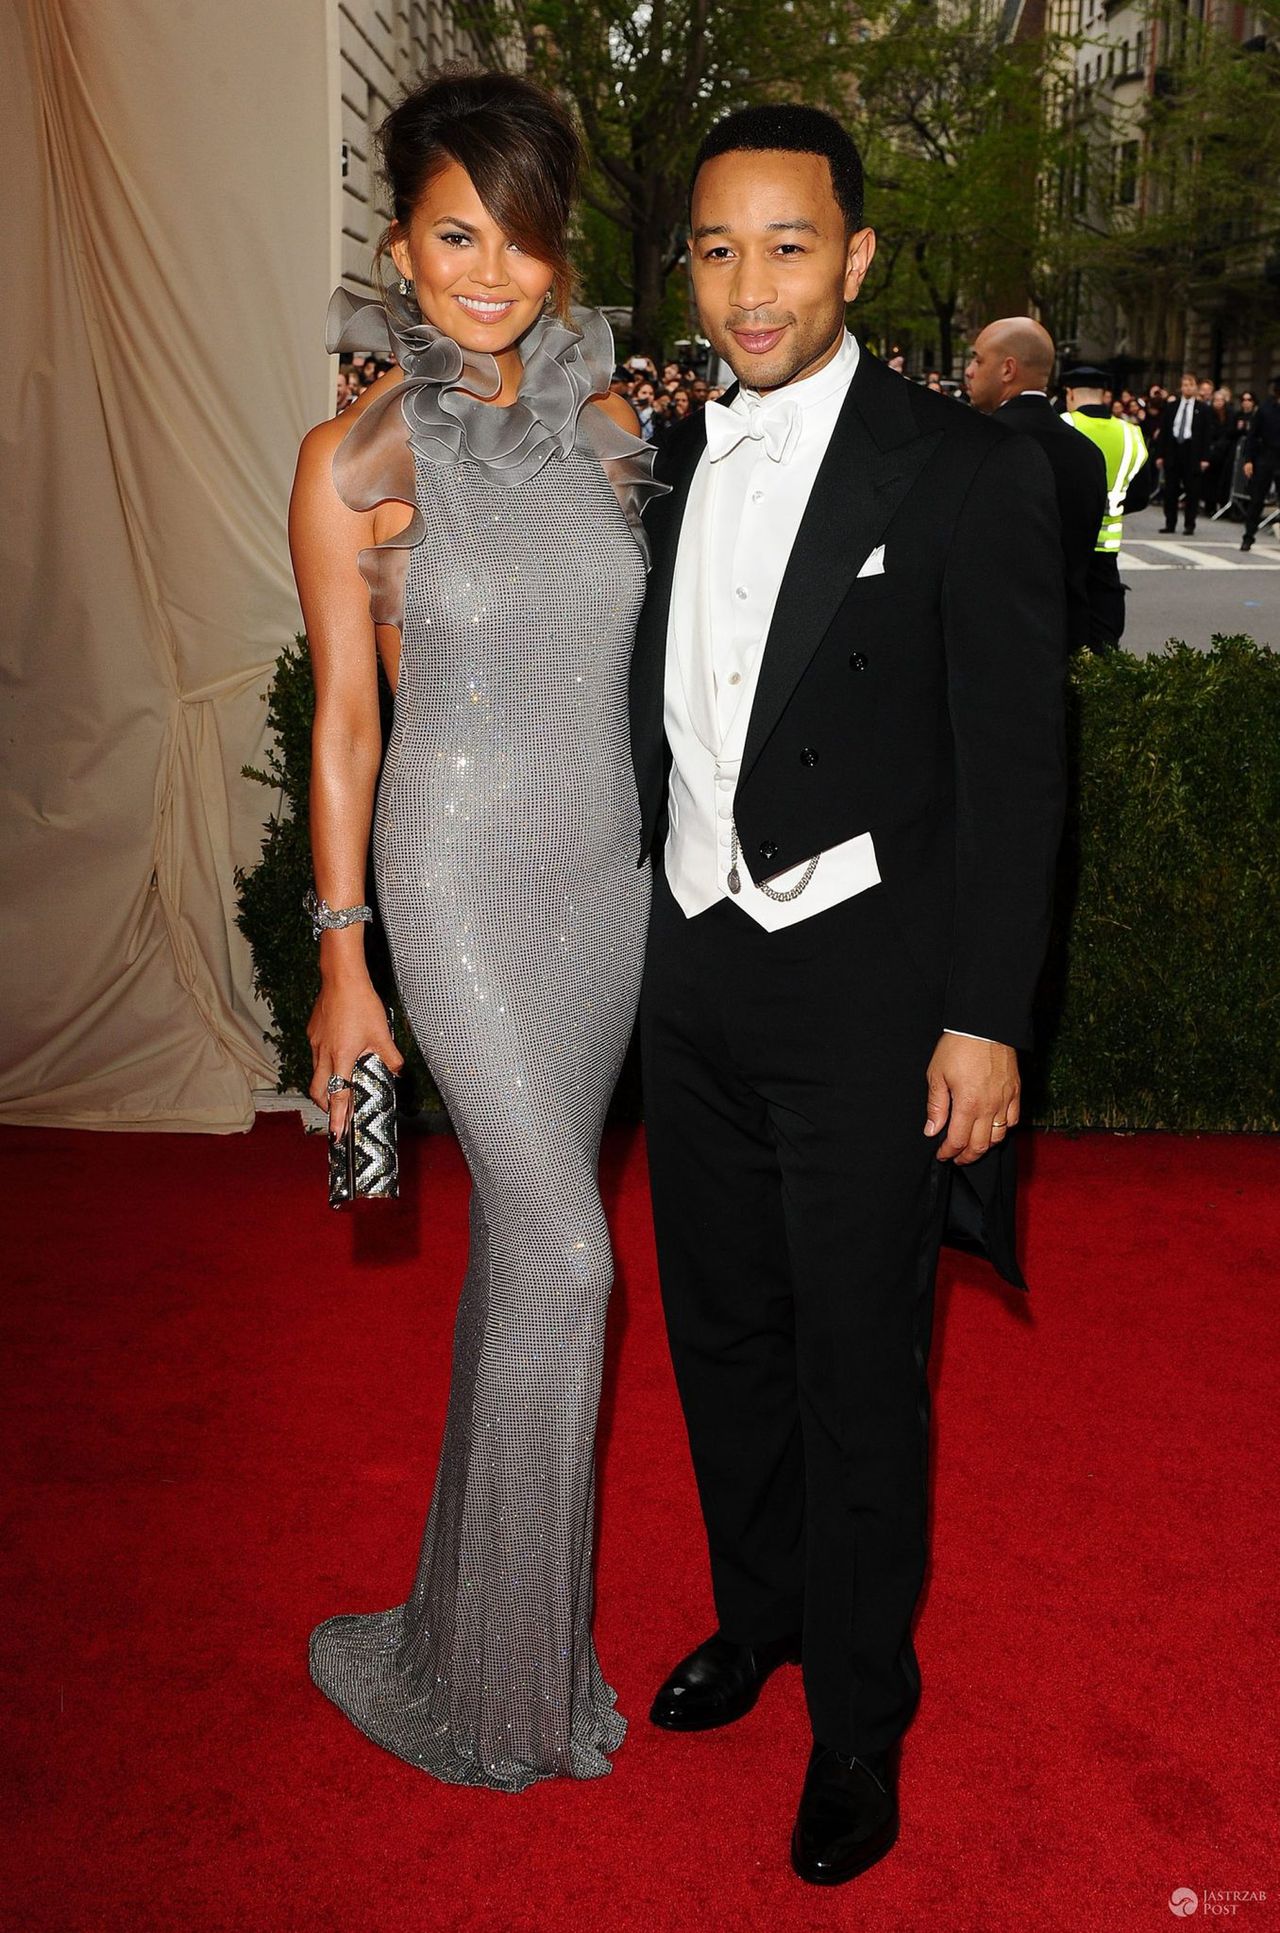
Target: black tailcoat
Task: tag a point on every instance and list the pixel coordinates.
(923, 704)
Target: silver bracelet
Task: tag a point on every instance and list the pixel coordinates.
(326, 918)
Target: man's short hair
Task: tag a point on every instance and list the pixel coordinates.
(793, 130)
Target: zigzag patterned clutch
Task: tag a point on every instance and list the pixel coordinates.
(363, 1158)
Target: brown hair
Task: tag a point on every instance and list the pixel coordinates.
(515, 141)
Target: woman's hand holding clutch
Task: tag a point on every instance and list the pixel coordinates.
(347, 1020)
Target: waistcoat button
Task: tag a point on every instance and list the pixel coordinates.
(768, 851)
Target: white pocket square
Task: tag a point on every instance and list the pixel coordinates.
(874, 566)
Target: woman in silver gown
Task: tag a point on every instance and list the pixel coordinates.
(505, 844)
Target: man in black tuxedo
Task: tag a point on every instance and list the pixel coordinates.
(1186, 429)
(847, 721)
(1007, 376)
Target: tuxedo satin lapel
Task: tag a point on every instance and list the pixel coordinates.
(875, 455)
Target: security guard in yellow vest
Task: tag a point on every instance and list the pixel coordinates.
(1130, 475)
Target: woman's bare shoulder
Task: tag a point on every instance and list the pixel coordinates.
(319, 443)
(620, 410)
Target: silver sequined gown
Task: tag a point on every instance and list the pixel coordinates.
(506, 840)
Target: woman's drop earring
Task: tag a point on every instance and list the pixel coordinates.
(406, 286)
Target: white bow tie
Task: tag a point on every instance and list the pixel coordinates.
(777, 427)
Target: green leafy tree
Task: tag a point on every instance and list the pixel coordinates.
(951, 116)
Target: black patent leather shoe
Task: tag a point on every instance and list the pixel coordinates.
(848, 1817)
(718, 1682)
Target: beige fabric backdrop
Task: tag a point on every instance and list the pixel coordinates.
(170, 179)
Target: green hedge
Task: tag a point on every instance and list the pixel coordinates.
(1161, 999)
(285, 957)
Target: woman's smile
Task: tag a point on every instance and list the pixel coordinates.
(485, 309)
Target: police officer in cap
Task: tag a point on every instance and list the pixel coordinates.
(1130, 478)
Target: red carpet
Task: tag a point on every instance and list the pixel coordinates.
(223, 1426)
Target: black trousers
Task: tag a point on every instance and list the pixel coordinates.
(1106, 601)
(1215, 482)
(1266, 468)
(1182, 472)
(798, 1211)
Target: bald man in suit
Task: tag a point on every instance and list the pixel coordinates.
(1008, 377)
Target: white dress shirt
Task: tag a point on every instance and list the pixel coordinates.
(748, 495)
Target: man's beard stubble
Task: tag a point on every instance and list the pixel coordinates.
(794, 357)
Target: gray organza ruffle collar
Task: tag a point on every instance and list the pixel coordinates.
(431, 415)
(564, 365)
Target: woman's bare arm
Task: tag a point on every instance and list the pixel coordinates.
(325, 537)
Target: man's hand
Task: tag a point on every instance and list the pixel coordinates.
(1204, 463)
(1248, 470)
(974, 1092)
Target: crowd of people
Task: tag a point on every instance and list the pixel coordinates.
(357, 373)
(661, 399)
(1224, 422)
(1226, 429)
(664, 397)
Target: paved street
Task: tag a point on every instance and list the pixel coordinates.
(1190, 587)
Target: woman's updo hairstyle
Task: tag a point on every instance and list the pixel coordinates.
(515, 141)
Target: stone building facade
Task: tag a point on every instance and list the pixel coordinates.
(1226, 326)
(382, 46)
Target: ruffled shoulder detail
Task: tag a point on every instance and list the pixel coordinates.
(437, 413)
(627, 462)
